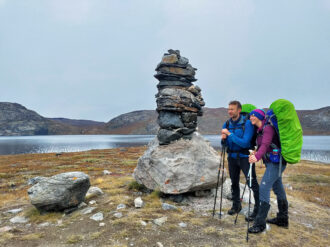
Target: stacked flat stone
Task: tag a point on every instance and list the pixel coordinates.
(179, 102)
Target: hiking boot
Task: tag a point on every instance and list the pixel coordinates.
(260, 221)
(282, 218)
(236, 208)
(251, 217)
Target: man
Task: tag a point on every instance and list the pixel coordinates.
(236, 134)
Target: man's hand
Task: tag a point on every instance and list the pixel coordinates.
(225, 132)
(252, 159)
(223, 136)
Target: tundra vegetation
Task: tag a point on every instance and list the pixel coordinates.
(308, 189)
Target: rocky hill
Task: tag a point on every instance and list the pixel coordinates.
(78, 122)
(136, 122)
(16, 120)
(314, 122)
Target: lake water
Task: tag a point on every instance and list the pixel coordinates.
(316, 148)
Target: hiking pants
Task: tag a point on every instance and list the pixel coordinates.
(235, 167)
(272, 180)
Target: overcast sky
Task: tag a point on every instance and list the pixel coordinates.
(95, 59)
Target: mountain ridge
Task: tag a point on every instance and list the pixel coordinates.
(17, 120)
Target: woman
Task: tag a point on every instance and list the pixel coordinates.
(267, 142)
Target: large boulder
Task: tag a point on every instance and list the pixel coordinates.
(59, 192)
(182, 166)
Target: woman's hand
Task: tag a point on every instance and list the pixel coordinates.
(223, 136)
(252, 159)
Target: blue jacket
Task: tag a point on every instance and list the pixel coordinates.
(239, 141)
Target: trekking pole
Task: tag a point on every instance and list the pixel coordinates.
(223, 170)
(241, 199)
(250, 185)
(216, 189)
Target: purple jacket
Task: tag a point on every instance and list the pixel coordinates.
(264, 140)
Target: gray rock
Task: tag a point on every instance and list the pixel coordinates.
(176, 92)
(168, 59)
(185, 72)
(14, 211)
(164, 83)
(160, 221)
(182, 224)
(182, 166)
(176, 52)
(92, 202)
(143, 223)
(94, 192)
(167, 136)
(88, 210)
(118, 215)
(59, 192)
(183, 61)
(97, 217)
(159, 244)
(121, 206)
(166, 206)
(169, 103)
(188, 117)
(82, 205)
(33, 181)
(5, 229)
(106, 172)
(169, 120)
(174, 77)
(102, 224)
(45, 224)
(227, 191)
(138, 202)
(19, 220)
(186, 131)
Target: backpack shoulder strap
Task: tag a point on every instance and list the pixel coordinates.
(227, 124)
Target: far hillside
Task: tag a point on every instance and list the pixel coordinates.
(17, 120)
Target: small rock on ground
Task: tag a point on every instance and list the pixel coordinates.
(97, 216)
(121, 206)
(87, 210)
(118, 215)
(19, 220)
(167, 206)
(14, 211)
(160, 221)
(138, 202)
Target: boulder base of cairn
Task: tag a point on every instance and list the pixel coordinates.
(182, 166)
(59, 192)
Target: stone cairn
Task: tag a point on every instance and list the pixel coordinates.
(179, 102)
(179, 159)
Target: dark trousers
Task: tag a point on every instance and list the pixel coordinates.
(235, 166)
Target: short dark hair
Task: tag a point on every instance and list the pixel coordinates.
(237, 103)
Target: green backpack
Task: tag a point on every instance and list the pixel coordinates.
(247, 108)
(283, 117)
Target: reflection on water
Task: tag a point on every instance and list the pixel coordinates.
(316, 148)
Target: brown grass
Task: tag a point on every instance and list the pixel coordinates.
(309, 199)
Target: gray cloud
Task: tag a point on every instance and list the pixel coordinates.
(96, 59)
